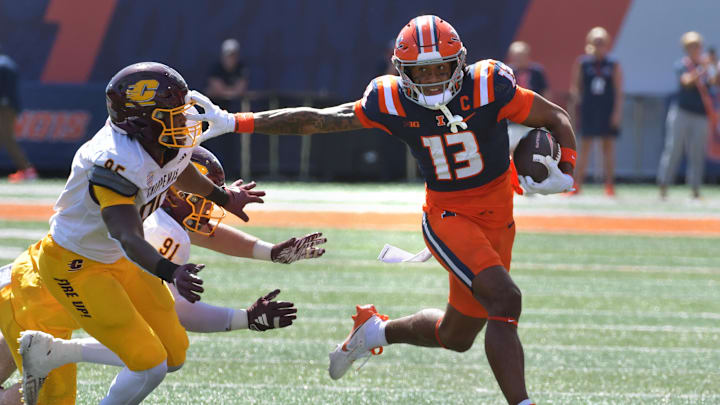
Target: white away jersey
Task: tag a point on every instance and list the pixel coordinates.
(167, 237)
(77, 224)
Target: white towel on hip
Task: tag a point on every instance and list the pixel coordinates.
(392, 254)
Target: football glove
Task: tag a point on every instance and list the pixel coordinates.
(239, 196)
(556, 182)
(187, 282)
(295, 249)
(220, 121)
(266, 314)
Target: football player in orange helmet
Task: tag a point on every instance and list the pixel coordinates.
(454, 118)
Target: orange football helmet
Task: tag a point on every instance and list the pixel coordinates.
(428, 40)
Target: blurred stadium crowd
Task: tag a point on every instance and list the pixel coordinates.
(649, 103)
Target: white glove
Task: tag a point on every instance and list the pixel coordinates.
(556, 182)
(221, 121)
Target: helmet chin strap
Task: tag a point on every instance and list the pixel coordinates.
(454, 121)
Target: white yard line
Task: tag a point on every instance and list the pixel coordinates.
(584, 313)
(318, 197)
(19, 233)
(330, 343)
(8, 254)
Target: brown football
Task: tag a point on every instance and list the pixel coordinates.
(535, 142)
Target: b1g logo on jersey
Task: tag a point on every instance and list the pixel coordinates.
(142, 92)
(75, 265)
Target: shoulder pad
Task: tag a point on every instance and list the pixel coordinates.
(492, 81)
(383, 93)
(105, 177)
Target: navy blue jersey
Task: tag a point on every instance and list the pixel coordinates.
(688, 98)
(532, 77)
(453, 161)
(598, 85)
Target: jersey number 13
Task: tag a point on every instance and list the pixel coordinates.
(469, 154)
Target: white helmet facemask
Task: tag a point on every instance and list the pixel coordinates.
(451, 87)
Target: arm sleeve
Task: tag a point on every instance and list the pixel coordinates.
(107, 197)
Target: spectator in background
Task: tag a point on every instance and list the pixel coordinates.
(9, 108)
(529, 75)
(228, 78)
(596, 87)
(227, 83)
(687, 119)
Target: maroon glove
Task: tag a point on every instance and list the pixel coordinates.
(266, 314)
(240, 195)
(186, 281)
(295, 249)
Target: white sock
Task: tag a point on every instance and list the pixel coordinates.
(527, 402)
(70, 352)
(131, 387)
(93, 351)
(202, 317)
(375, 333)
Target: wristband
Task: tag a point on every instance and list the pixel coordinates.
(239, 319)
(165, 270)
(244, 123)
(568, 155)
(262, 250)
(219, 196)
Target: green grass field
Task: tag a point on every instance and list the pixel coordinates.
(606, 320)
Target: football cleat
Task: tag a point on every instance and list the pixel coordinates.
(354, 346)
(39, 357)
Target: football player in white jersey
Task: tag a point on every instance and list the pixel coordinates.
(165, 230)
(96, 262)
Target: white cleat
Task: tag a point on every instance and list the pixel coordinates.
(39, 357)
(354, 346)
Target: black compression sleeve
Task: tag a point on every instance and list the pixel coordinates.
(165, 269)
(219, 196)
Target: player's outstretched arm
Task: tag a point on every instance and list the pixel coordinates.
(234, 242)
(306, 120)
(288, 121)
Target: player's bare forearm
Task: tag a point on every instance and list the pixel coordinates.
(306, 120)
(192, 181)
(124, 225)
(226, 240)
(543, 113)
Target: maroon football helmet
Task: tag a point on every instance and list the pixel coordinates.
(148, 100)
(195, 212)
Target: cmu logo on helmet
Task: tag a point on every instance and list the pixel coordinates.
(142, 92)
